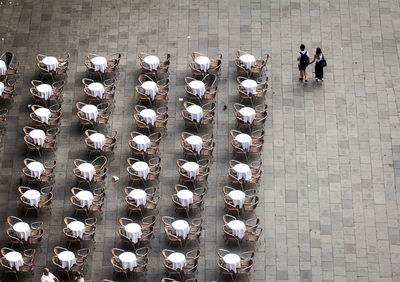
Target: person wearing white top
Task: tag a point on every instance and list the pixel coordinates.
(303, 58)
(48, 276)
(320, 63)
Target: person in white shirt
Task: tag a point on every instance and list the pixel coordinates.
(48, 276)
(303, 58)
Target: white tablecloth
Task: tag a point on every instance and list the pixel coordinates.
(91, 112)
(88, 170)
(142, 142)
(248, 114)
(198, 87)
(203, 63)
(232, 261)
(43, 114)
(152, 61)
(139, 196)
(150, 88)
(196, 142)
(149, 116)
(243, 171)
(250, 86)
(128, 260)
(178, 260)
(133, 231)
(22, 229)
(248, 60)
(38, 136)
(45, 90)
(243, 140)
(141, 168)
(196, 112)
(238, 197)
(98, 139)
(36, 169)
(33, 196)
(192, 169)
(185, 197)
(97, 89)
(181, 228)
(1, 88)
(238, 228)
(99, 63)
(15, 259)
(50, 62)
(77, 228)
(85, 197)
(67, 259)
(3, 68)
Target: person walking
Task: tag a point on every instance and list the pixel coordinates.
(48, 276)
(303, 58)
(320, 63)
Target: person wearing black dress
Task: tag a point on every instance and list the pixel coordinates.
(319, 68)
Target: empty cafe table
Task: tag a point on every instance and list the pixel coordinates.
(181, 228)
(133, 231)
(36, 169)
(139, 196)
(248, 114)
(99, 63)
(22, 229)
(238, 228)
(38, 136)
(243, 140)
(85, 197)
(232, 261)
(248, 60)
(98, 139)
(77, 228)
(185, 197)
(33, 196)
(150, 88)
(142, 142)
(250, 85)
(203, 63)
(196, 142)
(198, 87)
(67, 259)
(128, 260)
(87, 170)
(152, 61)
(43, 114)
(3, 68)
(91, 112)
(196, 112)
(149, 116)
(191, 168)
(178, 260)
(97, 89)
(50, 62)
(238, 198)
(141, 168)
(15, 259)
(45, 90)
(243, 171)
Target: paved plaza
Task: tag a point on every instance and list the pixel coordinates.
(331, 155)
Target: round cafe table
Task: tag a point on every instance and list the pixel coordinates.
(198, 87)
(196, 112)
(133, 231)
(22, 229)
(196, 142)
(152, 61)
(50, 62)
(97, 89)
(3, 68)
(87, 170)
(38, 136)
(250, 85)
(98, 139)
(149, 116)
(181, 228)
(142, 142)
(243, 171)
(232, 261)
(67, 259)
(99, 63)
(238, 228)
(33, 196)
(238, 197)
(43, 114)
(150, 88)
(85, 197)
(248, 114)
(203, 62)
(45, 90)
(91, 112)
(77, 228)
(141, 168)
(15, 259)
(139, 196)
(36, 169)
(128, 260)
(243, 140)
(192, 169)
(185, 197)
(248, 60)
(1, 88)
(178, 260)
